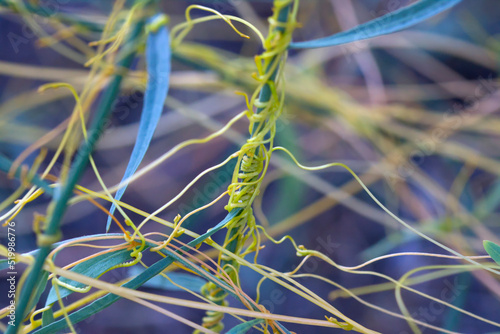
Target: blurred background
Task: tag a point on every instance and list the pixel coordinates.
(414, 114)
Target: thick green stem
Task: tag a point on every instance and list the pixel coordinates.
(236, 230)
(53, 12)
(264, 97)
(81, 160)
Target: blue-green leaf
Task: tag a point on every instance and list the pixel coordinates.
(493, 250)
(245, 327)
(158, 68)
(389, 23)
(4, 264)
(188, 281)
(93, 268)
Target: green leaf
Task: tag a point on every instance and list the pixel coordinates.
(3, 264)
(93, 268)
(38, 290)
(245, 327)
(47, 317)
(158, 68)
(188, 281)
(493, 250)
(107, 300)
(389, 23)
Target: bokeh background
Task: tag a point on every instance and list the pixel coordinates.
(415, 114)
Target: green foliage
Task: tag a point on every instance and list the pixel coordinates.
(94, 268)
(138, 281)
(493, 250)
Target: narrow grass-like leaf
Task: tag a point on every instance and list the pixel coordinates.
(493, 250)
(47, 317)
(244, 327)
(158, 68)
(188, 281)
(389, 23)
(105, 301)
(38, 290)
(93, 267)
(4, 264)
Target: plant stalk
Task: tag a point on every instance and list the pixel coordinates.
(81, 160)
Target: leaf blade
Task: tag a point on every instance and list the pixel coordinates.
(244, 327)
(158, 58)
(493, 250)
(389, 23)
(38, 290)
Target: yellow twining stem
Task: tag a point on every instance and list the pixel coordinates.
(118, 38)
(264, 108)
(180, 31)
